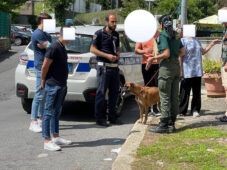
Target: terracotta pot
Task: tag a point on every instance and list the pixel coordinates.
(213, 84)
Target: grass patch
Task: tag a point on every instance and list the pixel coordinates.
(203, 148)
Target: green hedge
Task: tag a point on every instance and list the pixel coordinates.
(87, 18)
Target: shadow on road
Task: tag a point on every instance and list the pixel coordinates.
(6, 55)
(82, 112)
(99, 142)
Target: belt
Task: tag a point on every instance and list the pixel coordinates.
(107, 64)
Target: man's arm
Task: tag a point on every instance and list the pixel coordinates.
(97, 52)
(46, 65)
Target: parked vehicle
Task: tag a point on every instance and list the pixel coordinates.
(20, 36)
(82, 82)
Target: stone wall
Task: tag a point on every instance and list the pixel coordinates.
(4, 44)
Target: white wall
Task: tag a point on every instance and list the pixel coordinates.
(215, 51)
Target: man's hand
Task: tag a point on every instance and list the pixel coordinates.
(112, 57)
(43, 45)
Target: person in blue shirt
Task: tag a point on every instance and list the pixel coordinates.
(192, 72)
(40, 42)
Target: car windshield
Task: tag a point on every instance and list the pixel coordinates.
(81, 44)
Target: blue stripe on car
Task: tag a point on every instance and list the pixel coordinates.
(83, 67)
(30, 64)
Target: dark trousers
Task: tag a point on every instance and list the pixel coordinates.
(108, 78)
(185, 88)
(148, 74)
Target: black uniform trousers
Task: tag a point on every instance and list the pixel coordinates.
(108, 78)
(185, 88)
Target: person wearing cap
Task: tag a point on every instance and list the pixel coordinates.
(170, 48)
(54, 81)
(40, 42)
(105, 46)
(150, 75)
(192, 72)
(224, 68)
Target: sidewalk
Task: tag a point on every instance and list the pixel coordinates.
(212, 108)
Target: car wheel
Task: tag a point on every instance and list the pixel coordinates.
(18, 41)
(26, 104)
(120, 100)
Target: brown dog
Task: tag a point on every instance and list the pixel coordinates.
(145, 98)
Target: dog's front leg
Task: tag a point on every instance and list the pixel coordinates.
(141, 112)
(145, 114)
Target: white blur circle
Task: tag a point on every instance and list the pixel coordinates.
(140, 26)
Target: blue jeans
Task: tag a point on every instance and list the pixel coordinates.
(55, 96)
(39, 98)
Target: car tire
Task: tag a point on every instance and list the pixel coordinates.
(18, 41)
(26, 104)
(120, 100)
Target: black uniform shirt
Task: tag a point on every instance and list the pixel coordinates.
(58, 71)
(106, 42)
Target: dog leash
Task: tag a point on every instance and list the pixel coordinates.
(152, 78)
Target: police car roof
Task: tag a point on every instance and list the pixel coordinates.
(91, 29)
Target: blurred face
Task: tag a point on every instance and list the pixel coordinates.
(112, 23)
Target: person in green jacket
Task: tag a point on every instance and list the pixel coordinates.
(170, 48)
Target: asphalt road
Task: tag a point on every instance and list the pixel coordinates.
(92, 147)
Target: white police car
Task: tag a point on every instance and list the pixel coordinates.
(82, 81)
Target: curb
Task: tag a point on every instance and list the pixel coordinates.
(129, 148)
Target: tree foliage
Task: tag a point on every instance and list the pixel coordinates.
(10, 5)
(197, 9)
(59, 7)
(131, 5)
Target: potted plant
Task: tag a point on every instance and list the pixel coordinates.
(212, 78)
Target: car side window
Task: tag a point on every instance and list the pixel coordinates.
(124, 43)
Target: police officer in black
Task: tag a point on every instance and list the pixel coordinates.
(105, 46)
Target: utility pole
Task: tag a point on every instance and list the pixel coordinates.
(33, 7)
(183, 12)
(116, 4)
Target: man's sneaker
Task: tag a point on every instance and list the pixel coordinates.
(51, 146)
(155, 112)
(34, 127)
(196, 114)
(223, 119)
(39, 122)
(61, 141)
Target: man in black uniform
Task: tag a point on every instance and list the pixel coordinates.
(105, 46)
